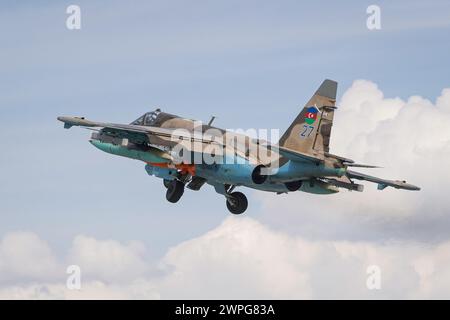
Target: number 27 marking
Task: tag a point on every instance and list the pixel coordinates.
(307, 130)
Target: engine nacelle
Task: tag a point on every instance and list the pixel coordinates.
(258, 177)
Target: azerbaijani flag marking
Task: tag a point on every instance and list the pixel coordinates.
(311, 115)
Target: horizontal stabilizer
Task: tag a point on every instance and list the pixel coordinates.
(358, 165)
(295, 156)
(342, 159)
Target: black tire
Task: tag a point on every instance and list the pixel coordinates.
(167, 183)
(174, 191)
(293, 185)
(237, 203)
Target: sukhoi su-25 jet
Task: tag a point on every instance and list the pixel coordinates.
(189, 154)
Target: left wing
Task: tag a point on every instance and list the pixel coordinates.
(382, 183)
(140, 133)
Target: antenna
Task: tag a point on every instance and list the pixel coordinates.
(211, 120)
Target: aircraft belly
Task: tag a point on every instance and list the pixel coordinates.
(269, 187)
(235, 174)
(293, 171)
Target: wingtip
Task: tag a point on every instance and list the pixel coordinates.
(408, 186)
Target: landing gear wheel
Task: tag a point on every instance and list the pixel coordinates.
(293, 185)
(167, 183)
(174, 191)
(237, 203)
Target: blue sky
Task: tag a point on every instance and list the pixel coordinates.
(252, 64)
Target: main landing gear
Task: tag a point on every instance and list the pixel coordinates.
(236, 201)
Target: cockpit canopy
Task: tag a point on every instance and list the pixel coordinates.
(148, 119)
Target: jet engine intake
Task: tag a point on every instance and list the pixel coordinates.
(257, 176)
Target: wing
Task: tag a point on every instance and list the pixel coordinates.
(140, 134)
(382, 183)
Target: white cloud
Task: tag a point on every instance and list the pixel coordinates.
(23, 255)
(138, 289)
(243, 258)
(109, 269)
(108, 259)
(239, 259)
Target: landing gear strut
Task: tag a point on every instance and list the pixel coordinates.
(175, 190)
(237, 202)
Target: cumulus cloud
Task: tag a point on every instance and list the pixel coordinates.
(109, 269)
(242, 258)
(108, 259)
(24, 256)
(91, 290)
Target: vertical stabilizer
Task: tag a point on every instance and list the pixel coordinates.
(311, 130)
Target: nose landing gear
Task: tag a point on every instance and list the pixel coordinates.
(175, 190)
(237, 202)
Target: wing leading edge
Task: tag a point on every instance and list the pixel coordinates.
(141, 132)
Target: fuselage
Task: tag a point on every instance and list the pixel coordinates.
(234, 168)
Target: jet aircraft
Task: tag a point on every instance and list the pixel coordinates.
(189, 154)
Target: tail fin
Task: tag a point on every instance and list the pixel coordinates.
(311, 130)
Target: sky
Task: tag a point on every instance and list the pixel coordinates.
(252, 64)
